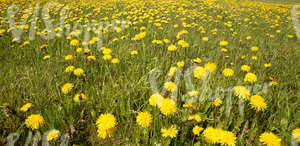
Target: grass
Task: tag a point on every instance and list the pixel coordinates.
(123, 89)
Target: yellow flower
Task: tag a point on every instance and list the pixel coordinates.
(241, 92)
(227, 138)
(296, 134)
(52, 135)
(254, 48)
(172, 71)
(224, 50)
(258, 102)
(69, 69)
(223, 43)
(106, 51)
(197, 130)
(171, 132)
(212, 135)
(211, 67)
(166, 41)
(183, 43)
(79, 97)
(217, 102)
(74, 43)
(144, 119)
(267, 65)
(25, 107)
(69, 57)
(66, 88)
(156, 100)
(78, 72)
(139, 36)
(107, 57)
(170, 86)
(115, 61)
(193, 93)
(197, 60)
(105, 133)
(46, 57)
(195, 117)
(134, 52)
(172, 48)
(91, 58)
(180, 64)
(168, 106)
(228, 72)
(34, 121)
(199, 72)
(205, 38)
(78, 50)
(269, 139)
(250, 77)
(105, 124)
(245, 68)
(254, 57)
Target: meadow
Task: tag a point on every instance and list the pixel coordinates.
(149, 72)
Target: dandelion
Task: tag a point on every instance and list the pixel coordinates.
(227, 138)
(254, 48)
(144, 119)
(25, 107)
(68, 57)
(171, 132)
(105, 124)
(250, 77)
(172, 48)
(267, 65)
(115, 61)
(245, 68)
(199, 72)
(241, 92)
(258, 102)
(172, 71)
(168, 106)
(155, 100)
(106, 51)
(195, 117)
(134, 52)
(296, 134)
(78, 50)
(223, 43)
(52, 135)
(34, 121)
(269, 139)
(183, 43)
(46, 57)
(91, 58)
(197, 130)
(69, 69)
(170, 86)
(66, 88)
(212, 135)
(193, 93)
(74, 42)
(205, 39)
(217, 102)
(180, 64)
(211, 67)
(79, 97)
(197, 60)
(107, 57)
(78, 72)
(227, 72)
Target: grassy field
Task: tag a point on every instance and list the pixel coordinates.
(118, 100)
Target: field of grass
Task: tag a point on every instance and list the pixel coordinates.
(243, 58)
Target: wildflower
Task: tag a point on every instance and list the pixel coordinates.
(199, 72)
(156, 100)
(227, 72)
(250, 77)
(267, 65)
(107, 57)
(91, 58)
(224, 50)
(25, 107)
(79, 97)
(115, 61)
(197, 130)
(34, 121)
(166, 41)
(211, 67)
(223, 43)
(69, 69)
(296, 134)
(217, 102)
(52, 135)
(269, 139)
(134, 52)
(183, 43)
(193, 93)
(258, 102)
(46, 57)
(241, 92)
(74, 42)
(105, 124)
(212, 135)
(227, 138)
(245, 68)
(170, 86)
(78, 50)
(180, 63)
(144, 119)
(78, 72)
(172, 48)
(197, 60)
(69, 57)
(139, 36)
(171, 132)
(195, 117)
(254, 57)
(168, 106)
(66, 88)
(172, 71)
(254, 48)
(205, 38)
(106, 51)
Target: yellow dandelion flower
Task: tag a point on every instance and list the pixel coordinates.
(199, 72)
(170, 86)
(156, 100)
(91, 58)
(218, 102)
(115, 61)
(46, 57)
(144, 119)
(258, 102)
(241, 92)
(168, 106)
(171, 132)
(250, 77)
(245, 68)
(172, 48)
(197, 130)
(134, 52)
(180, 64)
(296, 134)
(66, 88)
(69, 57)
(106, 121)
(211, 67)
(254, 48)
(78, 72)
(197, 60)
(269, 139)
(25, 107)
(172, 71)
(52, 135)
(79, 97)
(223, 43)
(195, 117)
(74, 42)
(34, 121)
(228, 72)
(107, 57)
